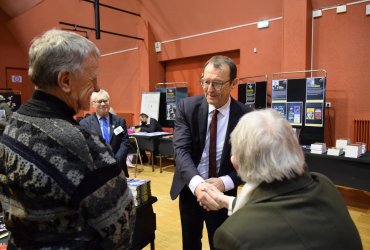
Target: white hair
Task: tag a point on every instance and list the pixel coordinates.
(56, 51)
(266, 148)
(102, 94)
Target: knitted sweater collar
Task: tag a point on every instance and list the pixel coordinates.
(44, 105)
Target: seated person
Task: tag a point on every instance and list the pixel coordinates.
(282, 205)
(148, 124)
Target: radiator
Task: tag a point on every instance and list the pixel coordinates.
(362, 131)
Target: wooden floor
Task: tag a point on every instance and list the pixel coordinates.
(168, 233)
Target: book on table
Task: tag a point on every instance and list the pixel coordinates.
(140, 189)
(335, 151)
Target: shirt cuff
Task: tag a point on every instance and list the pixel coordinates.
(230, 208)
(228, 182)
(194, 182)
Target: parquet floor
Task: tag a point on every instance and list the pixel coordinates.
(168, 233)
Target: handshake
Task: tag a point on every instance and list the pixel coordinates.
(210, 194)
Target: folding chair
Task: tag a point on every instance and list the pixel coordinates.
(135, 147)
(165, 149)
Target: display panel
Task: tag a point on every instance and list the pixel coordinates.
(301, 102)
(170, 96)
(253, 94)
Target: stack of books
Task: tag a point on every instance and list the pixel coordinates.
(140, 190)
(335, 151)
(353, 151)
(318, 148)
(342, 143)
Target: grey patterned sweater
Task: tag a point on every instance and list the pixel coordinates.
(60, 185)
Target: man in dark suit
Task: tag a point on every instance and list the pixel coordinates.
(282, 205)
(192, 142)
(109, 126)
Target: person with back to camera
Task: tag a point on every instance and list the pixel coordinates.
(282, 205)
(109, 126)
(60, 185)
(201, 160)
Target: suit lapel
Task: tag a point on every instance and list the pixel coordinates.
(233, 120)
(112, 126)
(203, 120)
(96, 125)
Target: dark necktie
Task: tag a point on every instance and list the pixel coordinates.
(212, 146)
(105, 129)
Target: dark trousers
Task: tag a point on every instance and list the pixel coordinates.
(192, 218)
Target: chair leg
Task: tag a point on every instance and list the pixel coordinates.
(138, 155)
(160, 163)
(152, 157)
(136, 165)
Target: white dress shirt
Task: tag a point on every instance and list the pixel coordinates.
(222, 123)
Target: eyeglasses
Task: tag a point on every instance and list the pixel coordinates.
(217, 85)
(101, 101)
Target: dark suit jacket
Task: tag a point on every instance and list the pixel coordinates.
(189, 140)
(153, 126)
(119, 143)
(303, 213)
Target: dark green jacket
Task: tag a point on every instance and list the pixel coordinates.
(303, 213)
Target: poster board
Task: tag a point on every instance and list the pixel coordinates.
(253, 94)
(301, 101)
(170, 97)
(150, 104)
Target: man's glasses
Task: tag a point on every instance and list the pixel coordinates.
(217, 85)
(101, 101)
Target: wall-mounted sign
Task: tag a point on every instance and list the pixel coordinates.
(16, 79)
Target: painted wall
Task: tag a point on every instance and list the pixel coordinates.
(341, 47)
(191, 31)
(11, 54)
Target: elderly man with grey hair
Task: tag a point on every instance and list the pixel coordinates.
(109, 126)
(281, 205)
(60, 185)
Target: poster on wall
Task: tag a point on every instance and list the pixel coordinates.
(295, 111)
(280, 107)
(315, 91)
(279, 90)
(170, 103)
(314, 114)
(250, 93)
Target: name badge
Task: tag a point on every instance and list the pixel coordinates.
(118, 130)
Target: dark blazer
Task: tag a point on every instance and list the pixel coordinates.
(153, 126)
(120, 143)
(303, 213)
(189, 140)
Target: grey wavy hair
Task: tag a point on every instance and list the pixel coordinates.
(266, 148)
(57, 51)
